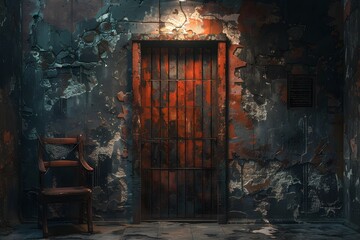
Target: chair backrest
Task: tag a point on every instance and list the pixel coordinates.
(60, 153)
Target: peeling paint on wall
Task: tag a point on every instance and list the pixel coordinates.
(115, 177)
(256, 111)
(73, 89)
(77, 69)
(351, 111)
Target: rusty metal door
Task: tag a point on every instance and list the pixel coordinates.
(179, 130)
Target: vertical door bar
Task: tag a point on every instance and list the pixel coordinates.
(164, 121)
(173, 143)
(189, 106)
(189, 113)
(206, 131)
(164, 105)
(198, 130)
(156, 132)
(181, 113)
(213, 108)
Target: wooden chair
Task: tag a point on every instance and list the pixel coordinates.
(80, 192)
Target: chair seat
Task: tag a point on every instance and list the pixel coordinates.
(68, 191)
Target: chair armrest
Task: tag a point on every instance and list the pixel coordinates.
(42, 167)
(81, 154)
(41, 164)
(86, 165)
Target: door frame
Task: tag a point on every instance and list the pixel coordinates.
(220, 121)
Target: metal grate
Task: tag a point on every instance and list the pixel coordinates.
(178, 169)
(300, 91)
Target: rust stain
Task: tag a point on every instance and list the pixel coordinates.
(177, 35)
(283, 93)
(253, 139)
(244, 119)
(172, 97)
(234, 147)
(194, 23)
(123, 112)
(212, 26)
(172, 116)
(246, 151)
(7, 138)
(237, 113)
(121, 115)
(253, 16)
(124, 131)
(120, 96)
(232, 133)
(145, 82)
(234, 63)
(221, 89)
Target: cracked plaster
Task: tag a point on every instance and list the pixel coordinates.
(105, 38)
(255, 111)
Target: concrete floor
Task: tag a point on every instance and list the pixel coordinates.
(178, 231)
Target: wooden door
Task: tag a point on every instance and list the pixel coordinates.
(179, 130)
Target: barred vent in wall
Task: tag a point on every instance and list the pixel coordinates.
(300, 91)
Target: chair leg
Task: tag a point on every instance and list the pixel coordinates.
(39, 216)
(81, 212)
(89, 215)
(44, 220)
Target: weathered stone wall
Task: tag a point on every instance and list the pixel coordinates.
(352, 111)
(10, 73)
(283, 163)
(291, 157)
